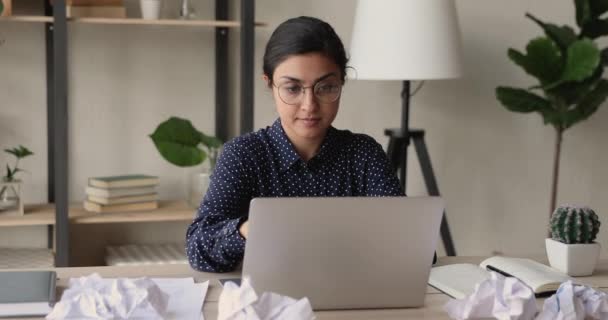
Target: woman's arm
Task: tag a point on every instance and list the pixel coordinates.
(213, 241)
(381, 180)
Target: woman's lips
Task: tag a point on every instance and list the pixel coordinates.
(310, 122)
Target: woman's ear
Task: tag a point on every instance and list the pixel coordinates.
(266, 79)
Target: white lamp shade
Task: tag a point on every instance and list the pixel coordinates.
(406, 40)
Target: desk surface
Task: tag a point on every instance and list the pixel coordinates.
(433, 308)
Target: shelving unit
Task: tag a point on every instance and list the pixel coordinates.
(26, 19)
(44, 214)
(58, 215)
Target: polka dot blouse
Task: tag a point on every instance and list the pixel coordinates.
(265, 164)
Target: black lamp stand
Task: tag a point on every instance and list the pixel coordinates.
(399, 140)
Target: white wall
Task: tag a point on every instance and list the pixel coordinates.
(493, 166)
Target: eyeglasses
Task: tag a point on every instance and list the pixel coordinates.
(324, 91)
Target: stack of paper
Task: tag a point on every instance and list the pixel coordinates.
(125, 298)
(186, 298)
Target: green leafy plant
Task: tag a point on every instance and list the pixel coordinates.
(568, 67)
(1, 7)
(183, 145)
(19, 152)
(574, 225)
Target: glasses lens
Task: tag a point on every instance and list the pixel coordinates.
(290, 93)
(328, 91)
(325, 92)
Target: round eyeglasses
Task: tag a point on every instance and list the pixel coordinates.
(324, 92)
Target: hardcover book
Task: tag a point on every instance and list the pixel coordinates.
(459, 280)
(123, 207)
(96, 12)
(121, 192)
(27, 293)
(124, 181)
(119, 200)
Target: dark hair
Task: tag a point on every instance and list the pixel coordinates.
(303, 35)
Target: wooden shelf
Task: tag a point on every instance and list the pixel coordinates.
(35, 215)
(163, 22)
(27, 19)
(134, 21)
(167, 211)
(44, 214)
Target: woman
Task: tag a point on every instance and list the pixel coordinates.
(300, 155)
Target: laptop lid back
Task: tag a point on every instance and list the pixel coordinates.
(344, 253)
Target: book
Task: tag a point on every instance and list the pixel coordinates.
(459, 280)
(125, 181)
(96, 12)
(27, 293)
(119, 200)
(123, 207)
(97, 3)
(121, 192)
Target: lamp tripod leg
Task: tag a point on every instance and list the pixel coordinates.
(431, 185)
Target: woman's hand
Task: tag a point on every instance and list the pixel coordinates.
(244, 229)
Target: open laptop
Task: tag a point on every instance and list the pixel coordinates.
(343, 253)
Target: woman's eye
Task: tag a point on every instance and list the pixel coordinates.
(293, 89)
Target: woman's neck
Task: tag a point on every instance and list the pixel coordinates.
(305, 148)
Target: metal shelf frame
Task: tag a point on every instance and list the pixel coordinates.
(57, 104)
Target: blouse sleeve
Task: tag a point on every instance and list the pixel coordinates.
(213, 241)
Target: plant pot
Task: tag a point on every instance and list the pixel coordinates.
(576, 260)
(150, 9)
(199, 183)
(11, 201)
(7, 8)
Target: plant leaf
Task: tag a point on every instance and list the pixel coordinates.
(582, 59)
(594, 29)
(563, 36)
(179, 154)
(583, 12)
(210, 141)
(1, 7)
(520, 100)
(177, 141)
(543, 60)
(13, 151)
(588, 105)
(571, 92)
(23, 152)
(598, 7)
(604, 56)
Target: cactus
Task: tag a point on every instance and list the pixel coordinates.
(571, 224)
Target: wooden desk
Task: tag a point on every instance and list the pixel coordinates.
(433, 308)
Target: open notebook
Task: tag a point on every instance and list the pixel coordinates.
(459, 280)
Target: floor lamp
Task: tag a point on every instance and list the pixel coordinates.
(408, 40)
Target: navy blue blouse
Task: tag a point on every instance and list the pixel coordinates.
(265, 164)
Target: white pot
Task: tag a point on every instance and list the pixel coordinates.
(576, 260)
(150, 9)
(199, 183)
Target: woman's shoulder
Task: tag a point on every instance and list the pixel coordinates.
(248, 142)
(357, 141)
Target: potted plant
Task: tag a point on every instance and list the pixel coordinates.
(571, 248)
(5, 8)
(568, 67)
(10, 187)
(183, 145)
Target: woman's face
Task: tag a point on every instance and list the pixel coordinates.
(306, 115)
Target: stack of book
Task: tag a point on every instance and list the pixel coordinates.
(121, 193)
(95, 9)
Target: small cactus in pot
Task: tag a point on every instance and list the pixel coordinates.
(574, 225)
(571, 248)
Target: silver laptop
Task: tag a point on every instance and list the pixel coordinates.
(343, 253)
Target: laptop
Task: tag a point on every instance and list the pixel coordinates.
(343, 253)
